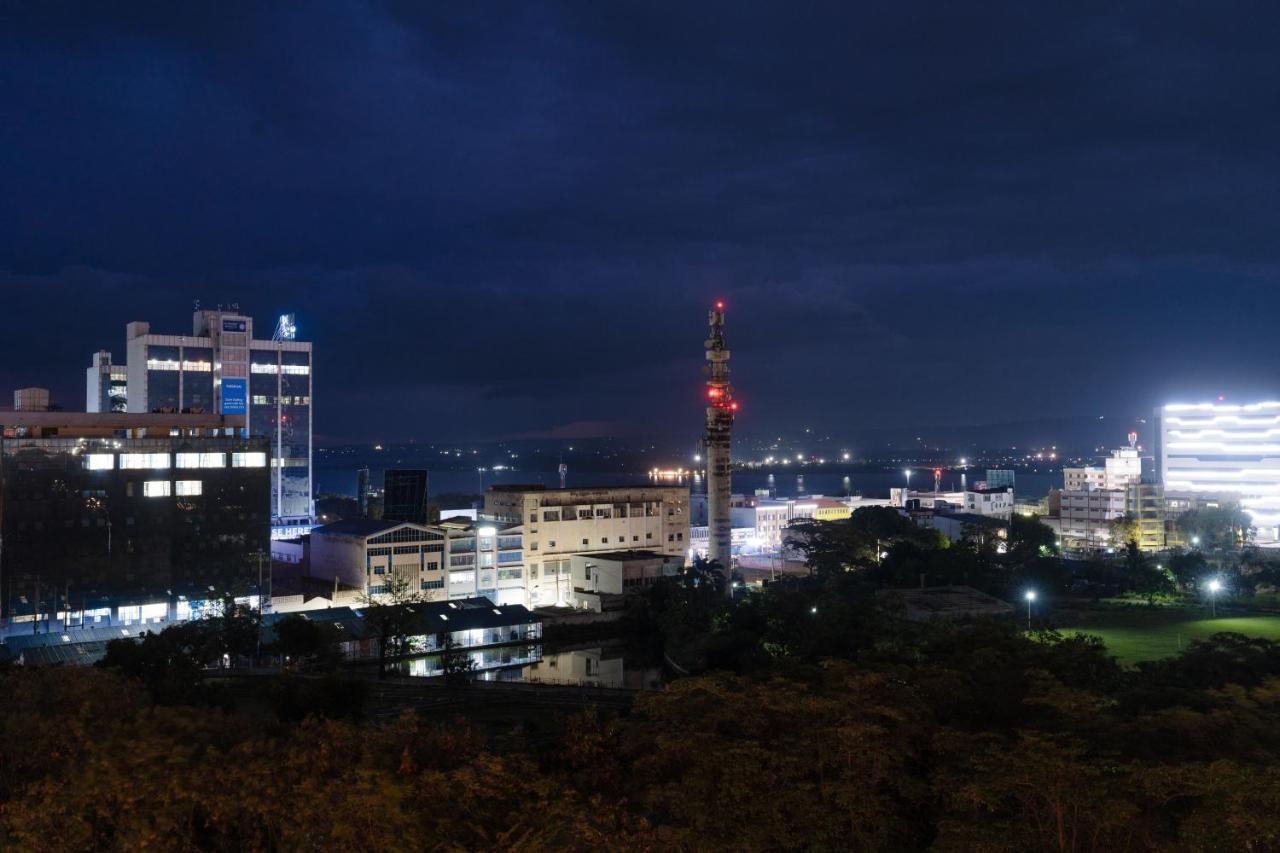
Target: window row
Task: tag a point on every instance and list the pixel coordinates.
(166, 488)
(162, 461)
(287, 369)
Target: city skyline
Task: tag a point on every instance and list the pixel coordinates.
(1066, 215)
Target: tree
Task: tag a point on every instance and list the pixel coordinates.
(457, 663)
(305, 643)
(1030, 539)
(1187, 568)
(1123, 530)
(857, 542)
(387, 612)
(1223, 527)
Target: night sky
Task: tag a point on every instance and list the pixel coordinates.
(508, 219)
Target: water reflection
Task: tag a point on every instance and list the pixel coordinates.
(592, 667)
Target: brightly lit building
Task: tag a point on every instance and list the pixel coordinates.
(455, 559)
(557, 524)
(223, 368)
(114, 519)
(1120, 470)
(1226, 450)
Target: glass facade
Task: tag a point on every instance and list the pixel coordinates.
(404, 495)
(78, 523)
(280, 406)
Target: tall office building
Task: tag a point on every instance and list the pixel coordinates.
(128, 516)
(222, 368)
(404, 495)
(1227, 450)
(106, 385)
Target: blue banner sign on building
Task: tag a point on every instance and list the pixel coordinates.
(234, 326)
(234, 397)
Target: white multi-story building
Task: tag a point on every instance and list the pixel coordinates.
(448, 561)
(996, 503)
(1122, 469)
(221, 367)
(557, 524)
(1228, 450)
(106, 385)
(1085, 517)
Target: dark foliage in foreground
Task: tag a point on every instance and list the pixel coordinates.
(963, 737)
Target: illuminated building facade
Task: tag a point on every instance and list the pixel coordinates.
(557, 524)
(118, 518)
(223, 368)
(437, 562)
(1226, 450)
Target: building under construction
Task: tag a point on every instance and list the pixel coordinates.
(721, 408)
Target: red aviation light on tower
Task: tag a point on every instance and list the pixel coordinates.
(733, 406)
(719, 304)
(715, 393)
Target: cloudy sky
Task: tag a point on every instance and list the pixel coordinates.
(509, 219)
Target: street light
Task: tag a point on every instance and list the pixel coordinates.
(1195, 540)
(1214, 586)
(907, 471)
(1030, 596)
(813, 609)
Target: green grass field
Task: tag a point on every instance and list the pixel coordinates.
(1134, 636)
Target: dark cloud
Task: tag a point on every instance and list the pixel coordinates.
(508, 219)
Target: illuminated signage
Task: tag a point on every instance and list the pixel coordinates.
(234, 394)
(234, 326)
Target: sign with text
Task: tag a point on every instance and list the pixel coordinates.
(234, 397)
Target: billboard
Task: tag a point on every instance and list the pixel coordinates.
(234, 397)
(234, 326)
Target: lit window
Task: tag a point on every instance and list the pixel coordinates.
(296, 369)
(263, 368)
(162, 364)
(197, 366)
(189, 487)
(156, 488)
(144, 461)
(100, 461)
(201, 460)
(248, 460)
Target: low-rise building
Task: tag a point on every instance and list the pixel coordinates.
(452, 560)
(557, 524)
(594, 577)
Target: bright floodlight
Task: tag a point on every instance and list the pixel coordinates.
(1031, 595)
(1195, 540)
(813, 609)
(1215, 585)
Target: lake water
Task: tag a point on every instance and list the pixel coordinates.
(340, 479)
(606, 665)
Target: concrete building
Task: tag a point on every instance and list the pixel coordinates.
(106, 385)
(1227, 451)
(997, 503)
(31, 400)
(1086, 516)
(127, 518)
(1118, 472)
(438, 562)
(223, 368)
(594, 578)
(559, 523)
